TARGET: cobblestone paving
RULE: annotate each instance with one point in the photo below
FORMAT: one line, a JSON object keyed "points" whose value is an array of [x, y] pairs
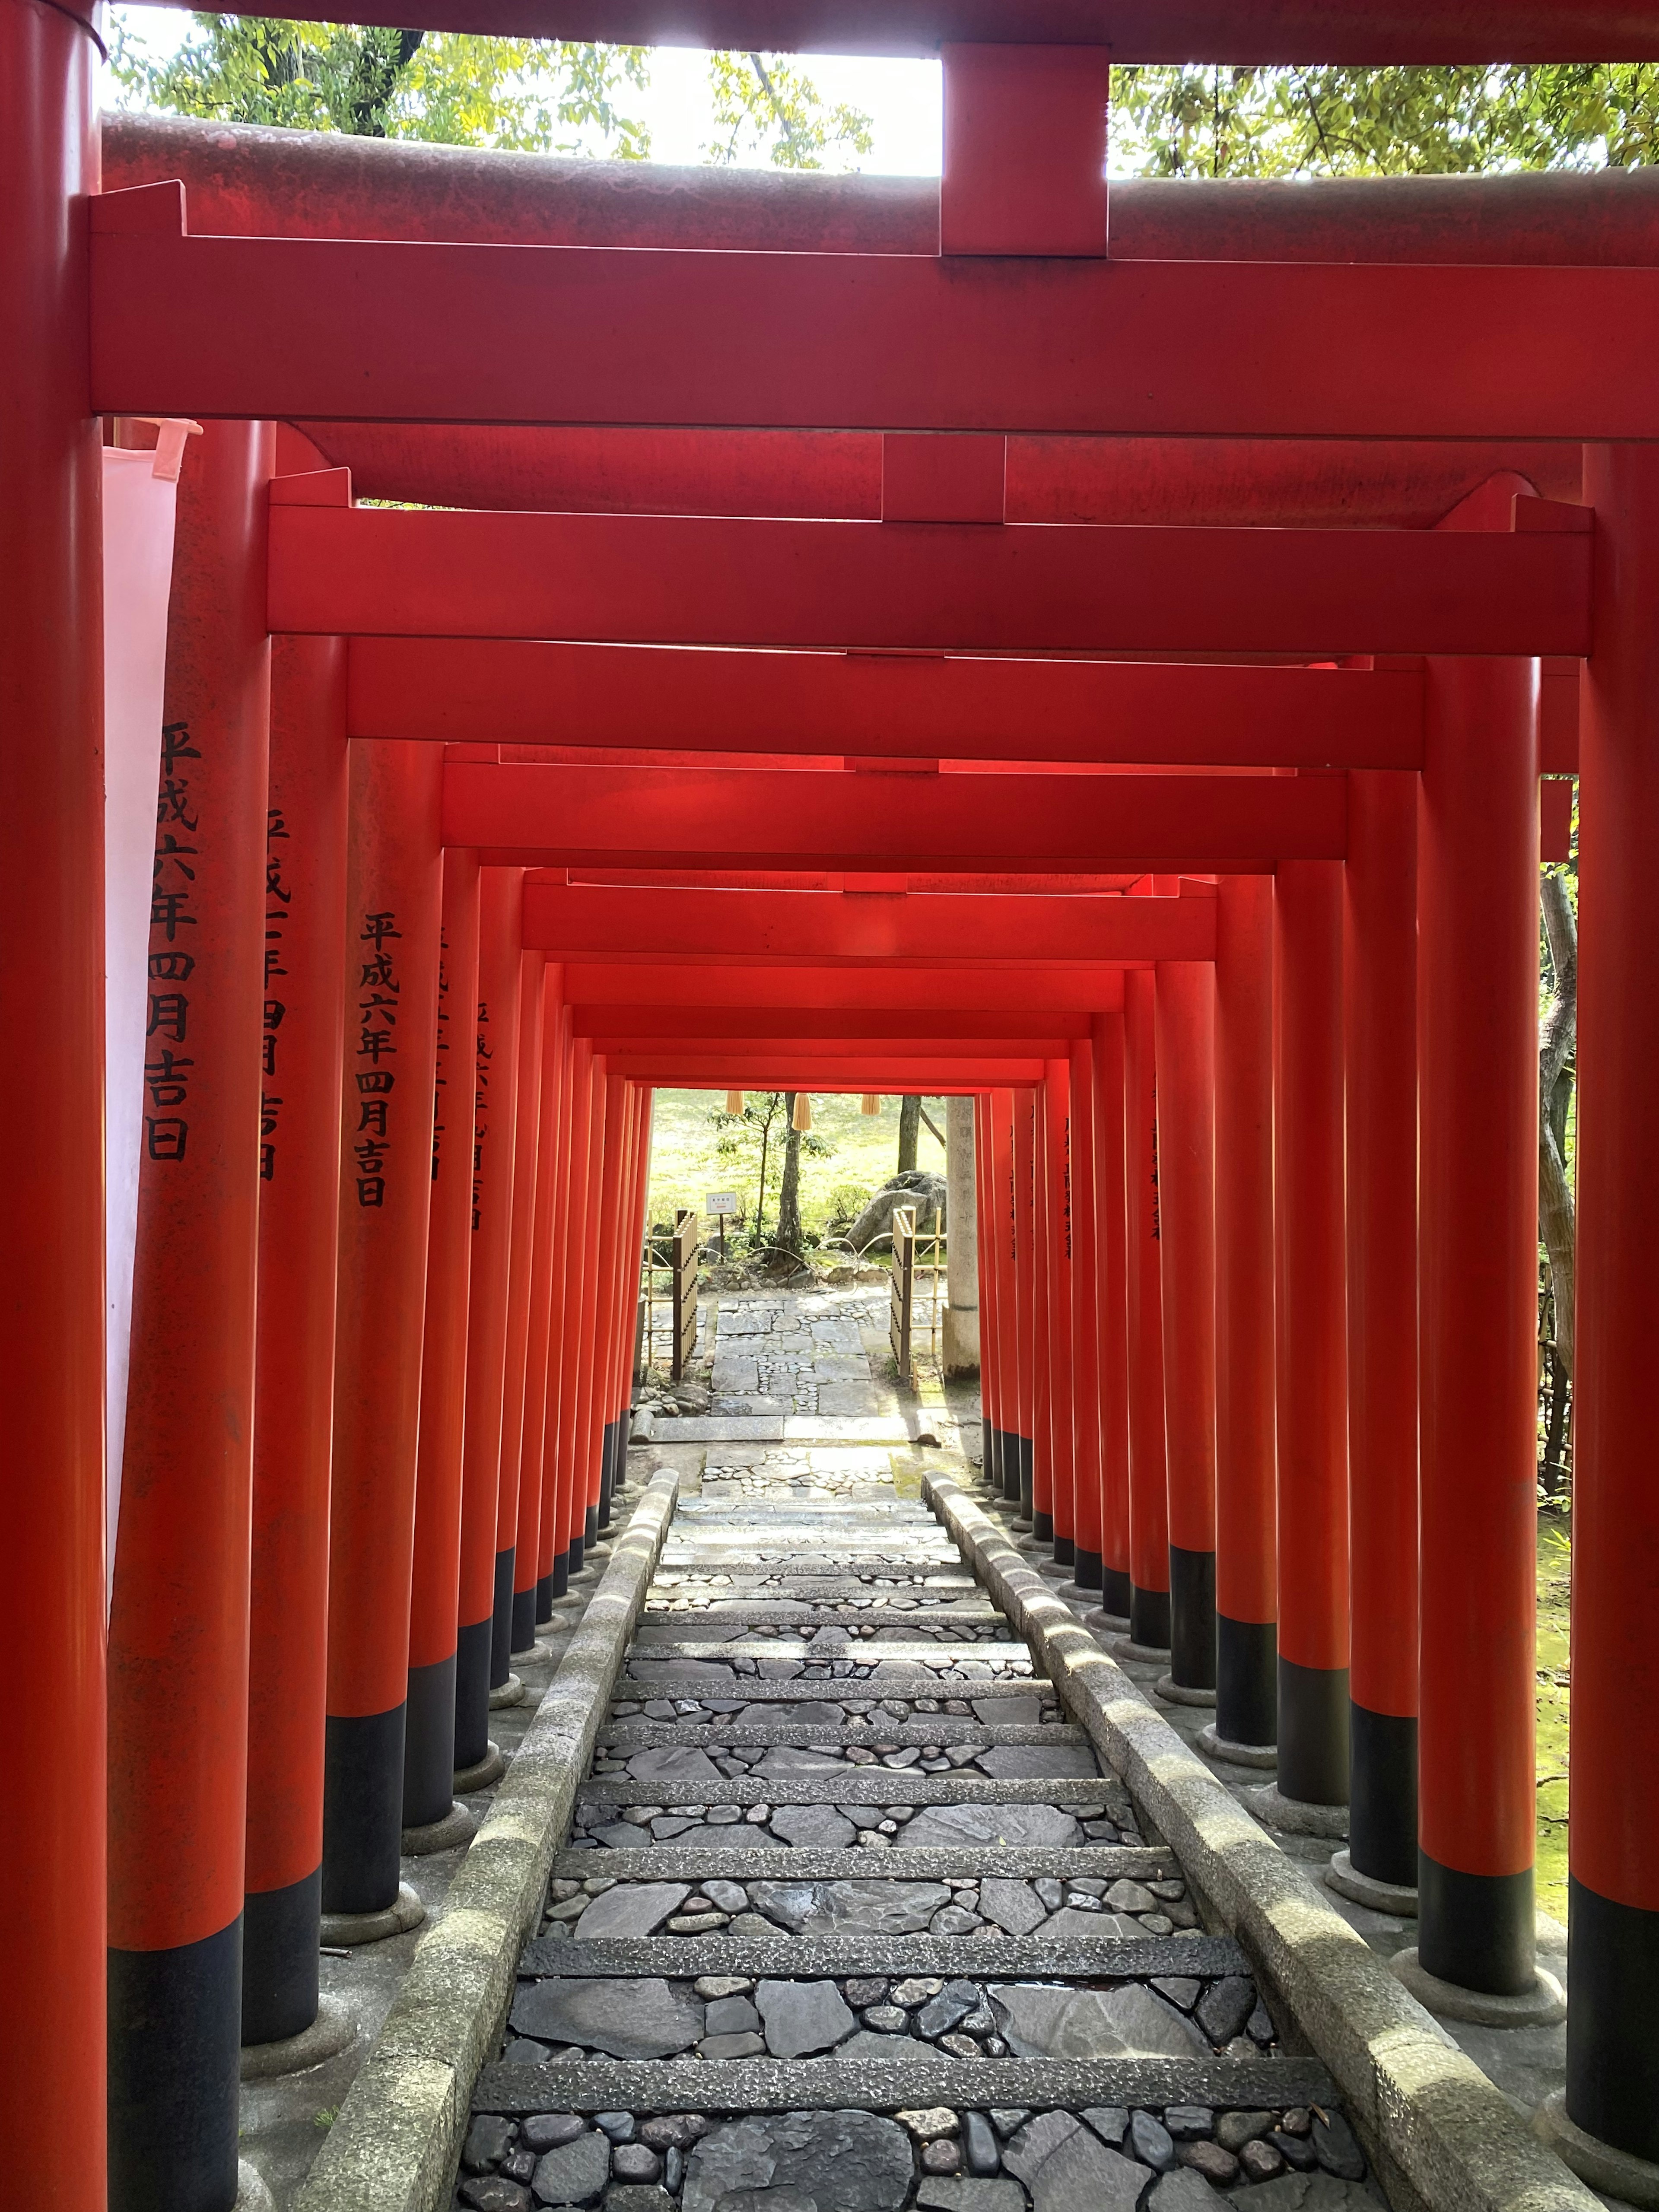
{"points": [[849, 1919]]}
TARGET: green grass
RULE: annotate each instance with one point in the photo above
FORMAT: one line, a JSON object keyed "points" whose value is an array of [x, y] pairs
{"points": [[687, 1163], [1554, 1562]]}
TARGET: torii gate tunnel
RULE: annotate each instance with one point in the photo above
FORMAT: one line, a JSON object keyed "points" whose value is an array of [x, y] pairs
{"points": [[1115, 663]]}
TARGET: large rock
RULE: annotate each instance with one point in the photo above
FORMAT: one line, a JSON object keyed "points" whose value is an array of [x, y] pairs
{"points": [[1082, 2175], [1305, 2192], [960, 2193], [809, 1713], [1040, 2021], [802, 2017], [1014, 1906], [645, 2019], [1009, 1712], [801, 1759], [869, 2047], [836, 1908], [663, 1676], [673, 1762], [813, 1827], [575, 2173], [1071, 1925], [847, 2161], [632, 1909], [915, 1186], [1036, 1762], [976, 1827], [1185, 2191]]}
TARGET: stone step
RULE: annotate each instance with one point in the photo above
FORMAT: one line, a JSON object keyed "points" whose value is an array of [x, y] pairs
{"points": [[766, 1690], [663, 1643], [859, 1785], [888, 2085], [943, 1727], [1009, 1861], [980, 1958]]}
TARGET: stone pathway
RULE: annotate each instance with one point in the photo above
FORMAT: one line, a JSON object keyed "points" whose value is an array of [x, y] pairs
{"points": [[849, 1919]]}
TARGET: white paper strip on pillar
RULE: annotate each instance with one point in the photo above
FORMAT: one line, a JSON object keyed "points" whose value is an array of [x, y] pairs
{"points": [[140, 489]]}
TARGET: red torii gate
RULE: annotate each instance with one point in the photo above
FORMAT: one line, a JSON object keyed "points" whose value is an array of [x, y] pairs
{"points": [[265, 345]]}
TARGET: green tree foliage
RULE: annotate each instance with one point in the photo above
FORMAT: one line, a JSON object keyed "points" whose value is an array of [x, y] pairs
{"points": [[525, 95], [1219, 122], [762, 103]]}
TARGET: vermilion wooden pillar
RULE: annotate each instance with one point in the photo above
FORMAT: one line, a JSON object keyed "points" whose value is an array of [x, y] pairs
{"points": [[304, 983], [1184, 1008], [1380, 964], [1057, 1225], [1311, 1349], [526, 1166], [572, 1494], [178, 1620], [550, 1536], [1025, 1283], [1478, 1041], [52, 1876], [1111, 1248], [429, 1741], [1612, 2033], [629, 1280], [585, 1449], [985, 1217], [393, 898], [608, 1246], [500, 933], [1085, 1325], [526, 1556], [1149, 1519], [1247, 1576]]}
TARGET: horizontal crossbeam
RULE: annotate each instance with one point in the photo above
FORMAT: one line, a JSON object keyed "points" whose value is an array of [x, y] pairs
{"points": [[1234, 31], [585, 921], [848, 1029], [370, 330], [528, 692], [738, 817], [676, 580], [687, 988], [783, 1068]]}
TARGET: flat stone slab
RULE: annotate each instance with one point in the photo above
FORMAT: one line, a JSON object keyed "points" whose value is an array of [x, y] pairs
{"points": [[851, 1734], [786, 1428], [766, 1690], [983, 1958], [770, 2085], [662, 1862], [666, 1648]]}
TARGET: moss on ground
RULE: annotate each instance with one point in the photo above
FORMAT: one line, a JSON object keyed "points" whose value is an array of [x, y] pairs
{"points": [[1554, 1676]]}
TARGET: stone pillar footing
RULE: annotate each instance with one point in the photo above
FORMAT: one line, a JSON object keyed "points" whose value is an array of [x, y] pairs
{"points": [[1144, 1654], [350, 1929], [510, 1692], [457, 1827], [1294, 1815], [252, 2193], [1237, 1755], [490, 1768], [1345, 1878], [1542, 2006], [1617, 2173], [1101, 1623], [1179, 1693], [329, 2035]]}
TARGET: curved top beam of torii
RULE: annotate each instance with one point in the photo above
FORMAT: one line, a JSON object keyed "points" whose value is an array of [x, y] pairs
{"points": [[1238, 31]]}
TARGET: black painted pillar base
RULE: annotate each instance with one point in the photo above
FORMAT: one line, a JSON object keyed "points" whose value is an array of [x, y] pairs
{"points": [[1026, 1461], [544, 1600], [1008, 1458], [1114, 1592], [1149, 1618], [363, 1809], [578, 1551], [1192, 1618], [281, 1931], [500, 1634], [1086, 1571], [1313, 1734], [472, 1643], [591, 1526], [429, 1744], [523, 1633], [607, 1474], [988, 1462], [1612, 2030], [1382, 1796], [559, 1580], [1479, 1930], [1247, 1681], [1042, 1528], [175, 2037]]}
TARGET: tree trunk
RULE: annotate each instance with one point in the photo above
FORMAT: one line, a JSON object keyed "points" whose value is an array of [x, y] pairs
{"points": [[1557, 1213], [909, 1132], [789, 1229]]}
